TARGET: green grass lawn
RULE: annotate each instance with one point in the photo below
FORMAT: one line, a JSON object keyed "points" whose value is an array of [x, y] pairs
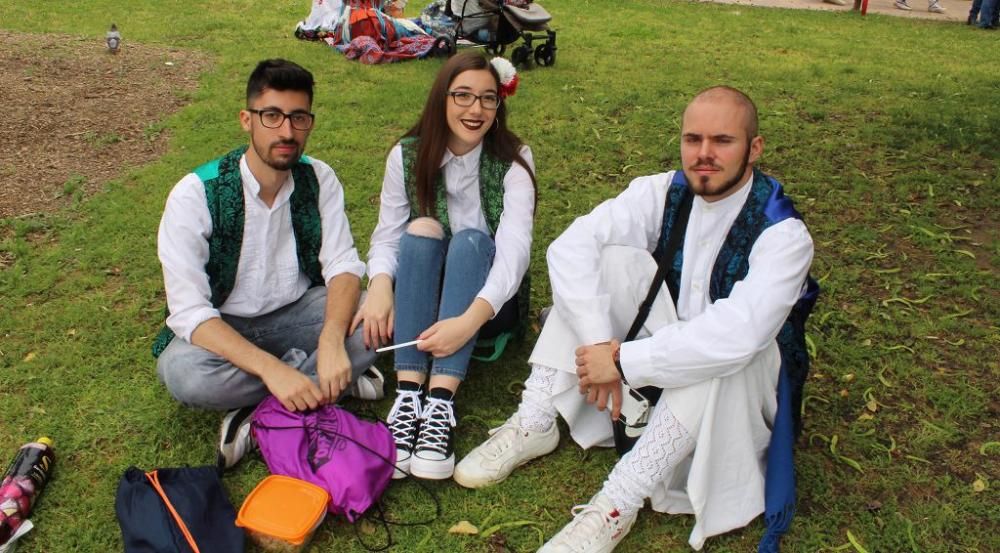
{"points": [[886, 132]]}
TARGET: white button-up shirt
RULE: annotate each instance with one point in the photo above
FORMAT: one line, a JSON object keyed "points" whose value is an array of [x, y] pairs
{"points": [[713, 339], [461, 177], [268, 275]]}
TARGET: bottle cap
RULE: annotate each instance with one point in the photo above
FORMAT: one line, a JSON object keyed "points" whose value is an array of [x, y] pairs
{"points": [[45, 440]]}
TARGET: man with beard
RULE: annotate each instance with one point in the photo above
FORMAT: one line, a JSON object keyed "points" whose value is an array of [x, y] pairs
{"points": [[717, 338], [261, 274]]}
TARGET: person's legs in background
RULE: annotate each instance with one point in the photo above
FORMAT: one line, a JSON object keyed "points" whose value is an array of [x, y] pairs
{"points": [[974, 12], [988, 14]]}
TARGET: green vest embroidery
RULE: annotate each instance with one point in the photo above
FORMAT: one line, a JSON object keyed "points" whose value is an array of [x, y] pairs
{"points": [[491, 174], [224, 197]]}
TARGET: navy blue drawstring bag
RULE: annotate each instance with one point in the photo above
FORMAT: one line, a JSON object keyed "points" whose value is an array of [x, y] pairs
{"points": [[177, 510]]}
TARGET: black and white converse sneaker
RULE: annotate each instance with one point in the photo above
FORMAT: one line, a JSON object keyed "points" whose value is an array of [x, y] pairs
{"points": [[434, 457], [404, 421]]}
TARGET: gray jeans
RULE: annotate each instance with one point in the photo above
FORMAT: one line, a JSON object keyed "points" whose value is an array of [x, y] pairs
{"points": [[197, 377]]}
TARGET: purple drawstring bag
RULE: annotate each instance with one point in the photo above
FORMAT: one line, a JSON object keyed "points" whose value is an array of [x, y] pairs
{"points": [[350, 458]]}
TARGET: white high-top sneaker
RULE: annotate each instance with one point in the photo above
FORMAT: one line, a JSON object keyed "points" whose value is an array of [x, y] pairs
{"points": [[597, 527], [508, 447]]}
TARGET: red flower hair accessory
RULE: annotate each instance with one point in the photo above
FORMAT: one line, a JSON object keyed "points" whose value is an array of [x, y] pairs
{"points": [[508, 76]]}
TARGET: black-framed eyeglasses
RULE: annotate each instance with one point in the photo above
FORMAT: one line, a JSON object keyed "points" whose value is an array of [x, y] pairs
{"points": [[274, 118], [465, 99]]}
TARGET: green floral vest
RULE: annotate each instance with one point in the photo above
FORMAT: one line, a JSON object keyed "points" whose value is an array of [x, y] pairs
{"points": [[224, 196], [491, 174]]}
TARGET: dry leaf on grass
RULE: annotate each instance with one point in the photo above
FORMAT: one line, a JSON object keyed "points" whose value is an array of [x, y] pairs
{"points": [[465, 528]]}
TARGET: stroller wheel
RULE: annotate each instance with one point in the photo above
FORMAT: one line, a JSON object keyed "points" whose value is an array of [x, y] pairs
{"points": [[545, 54], [495, 48], [443, 47], [520, 55]]}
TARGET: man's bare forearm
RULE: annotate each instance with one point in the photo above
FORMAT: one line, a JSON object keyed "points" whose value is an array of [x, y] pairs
{"points": [[342, 294], [218, 337]]}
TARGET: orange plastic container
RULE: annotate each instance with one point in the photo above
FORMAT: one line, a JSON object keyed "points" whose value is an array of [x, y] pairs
{"points": [[282, 513]]}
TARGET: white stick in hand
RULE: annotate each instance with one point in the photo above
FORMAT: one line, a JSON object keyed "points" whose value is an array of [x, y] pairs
{"points": [[397, 346]]}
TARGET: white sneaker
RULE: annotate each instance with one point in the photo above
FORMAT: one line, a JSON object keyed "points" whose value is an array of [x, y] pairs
{"points": [[369, 386], [597, 527], [508, 447], [902, 5], [935, 7], [235, 438], [434, 456], [404, 421]]}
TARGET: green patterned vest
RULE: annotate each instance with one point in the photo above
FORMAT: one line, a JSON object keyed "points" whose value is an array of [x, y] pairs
{"points": [[224, 196], [491, 174]]}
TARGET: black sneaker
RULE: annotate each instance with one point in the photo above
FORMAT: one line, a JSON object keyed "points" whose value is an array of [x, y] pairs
{"points": [[404, 422], [434, 456], [235, 438]]}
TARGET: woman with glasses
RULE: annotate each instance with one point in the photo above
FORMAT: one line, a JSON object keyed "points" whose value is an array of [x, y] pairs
{"points": [[449, 252]]}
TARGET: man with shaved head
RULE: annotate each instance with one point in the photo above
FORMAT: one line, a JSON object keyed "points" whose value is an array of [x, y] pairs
{"points": [[723, 342]]}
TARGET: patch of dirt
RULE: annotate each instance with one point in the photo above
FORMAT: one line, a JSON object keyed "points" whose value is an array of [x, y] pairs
{"points": [[76, 116], [983, 224], [6, 259]]}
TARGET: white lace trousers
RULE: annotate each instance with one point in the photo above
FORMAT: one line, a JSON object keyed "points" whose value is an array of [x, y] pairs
{"points": [[668, 440]]}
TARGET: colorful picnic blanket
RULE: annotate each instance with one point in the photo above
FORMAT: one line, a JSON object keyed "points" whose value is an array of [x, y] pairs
{"points": [[367, 50], [363, 31]]}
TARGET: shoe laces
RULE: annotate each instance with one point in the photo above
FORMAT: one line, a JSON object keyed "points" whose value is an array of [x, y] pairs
{"points": [[502, 438], [439, 417], [589, 521], [403, 417]]}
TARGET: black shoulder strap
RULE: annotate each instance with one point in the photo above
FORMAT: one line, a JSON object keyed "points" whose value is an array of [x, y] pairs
{"points": [[666, 260]]}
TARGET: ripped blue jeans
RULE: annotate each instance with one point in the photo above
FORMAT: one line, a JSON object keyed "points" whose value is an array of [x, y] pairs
{"points": [[437, 279]]}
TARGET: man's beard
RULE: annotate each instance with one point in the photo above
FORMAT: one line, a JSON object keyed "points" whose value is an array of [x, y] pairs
{"points": [[727, 185], [265, 155]]}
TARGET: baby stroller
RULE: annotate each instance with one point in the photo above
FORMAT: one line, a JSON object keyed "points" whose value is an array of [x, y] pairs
{"points": [[496, 24]]}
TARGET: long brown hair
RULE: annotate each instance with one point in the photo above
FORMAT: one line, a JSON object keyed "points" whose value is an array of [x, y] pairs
{"points": [[433, 131]]}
